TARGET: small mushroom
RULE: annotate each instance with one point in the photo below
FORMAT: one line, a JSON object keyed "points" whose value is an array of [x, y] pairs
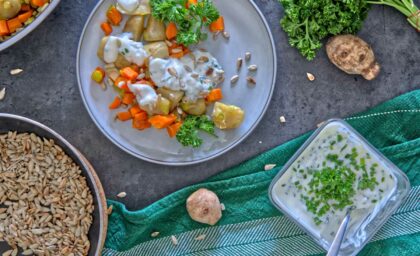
{"points": [[353, 55], [204, 206]]}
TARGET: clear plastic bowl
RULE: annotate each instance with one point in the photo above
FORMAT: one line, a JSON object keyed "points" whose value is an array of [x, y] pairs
{"points": [[368, 217]]}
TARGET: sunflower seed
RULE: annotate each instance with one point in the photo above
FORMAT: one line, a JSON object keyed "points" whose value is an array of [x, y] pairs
{"points": [[174, 240], [310, 77], [200, 237], [2, 93], [251, 80], [234, 79], [168, 43], [253, 68], [247, 56], [226, 34], [215, 35], [122, 195], [172, 72], [282, 119], [268, 167], [187, 68], [16, 71], [155, 234], [203, 59], [239, 62], [109, 210], [7, 253], [176, 50], [222, 206]]}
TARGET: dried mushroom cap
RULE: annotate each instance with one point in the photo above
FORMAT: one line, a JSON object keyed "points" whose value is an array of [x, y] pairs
{"points": [[204, 206], [353, 55]]}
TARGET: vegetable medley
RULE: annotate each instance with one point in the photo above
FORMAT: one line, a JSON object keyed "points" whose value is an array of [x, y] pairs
{"points": [[15, 14], [160, 78]]}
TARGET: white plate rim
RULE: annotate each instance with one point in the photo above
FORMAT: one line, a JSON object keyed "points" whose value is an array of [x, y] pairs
{"points": [[180, 163], [28, 29]]}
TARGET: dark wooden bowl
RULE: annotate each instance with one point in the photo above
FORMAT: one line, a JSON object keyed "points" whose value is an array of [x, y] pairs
{"points": [[97, 232]]}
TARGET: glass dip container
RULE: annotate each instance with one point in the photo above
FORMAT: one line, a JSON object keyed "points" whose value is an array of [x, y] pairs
{"points": [[338, 171]]}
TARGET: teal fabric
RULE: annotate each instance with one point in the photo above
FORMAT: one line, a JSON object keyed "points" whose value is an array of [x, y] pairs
{"points": [[393, 127]]}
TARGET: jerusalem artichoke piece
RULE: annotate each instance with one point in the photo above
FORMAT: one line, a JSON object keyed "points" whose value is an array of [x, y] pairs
{"points": [[204, 206], [353, 55]]}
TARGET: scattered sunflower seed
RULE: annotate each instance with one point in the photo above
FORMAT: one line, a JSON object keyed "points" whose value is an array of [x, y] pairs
{"points": [[172, 72], [176, 50], [215, 35], [310, 77], [203, 59], [320, 124], [27, 252], [168, 43], [239, 62], [222, 206], [247, 56], [7, 253], [174, 240], [253, 68], [2, 93], [16, 71], [109, 210], [282, 119], [122, 195], [226, 34], [200, 237], [268, 167], [251, 80], [155, 234], [234, 79]]}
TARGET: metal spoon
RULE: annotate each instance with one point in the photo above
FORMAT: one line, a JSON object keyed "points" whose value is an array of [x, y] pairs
{"points": [[338, 239]]}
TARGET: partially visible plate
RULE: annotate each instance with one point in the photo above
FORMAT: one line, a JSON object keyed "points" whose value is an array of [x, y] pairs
{"points": [[249, 32], [28, 29]]}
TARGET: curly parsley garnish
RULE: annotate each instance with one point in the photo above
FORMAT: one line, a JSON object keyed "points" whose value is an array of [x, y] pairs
{"points": [[188, 133], [307, 22], [189, 20]]}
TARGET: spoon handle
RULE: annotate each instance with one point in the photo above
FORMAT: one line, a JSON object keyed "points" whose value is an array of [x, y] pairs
{"points": [[338, 239]]}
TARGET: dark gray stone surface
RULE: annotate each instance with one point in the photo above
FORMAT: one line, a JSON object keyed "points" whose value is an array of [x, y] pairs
{"points": [[47, 92]]}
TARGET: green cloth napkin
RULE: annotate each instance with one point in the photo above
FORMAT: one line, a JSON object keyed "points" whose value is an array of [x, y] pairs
{"points": [[251, 225]]}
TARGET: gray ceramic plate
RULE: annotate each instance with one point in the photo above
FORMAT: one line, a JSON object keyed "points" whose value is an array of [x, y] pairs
{"points": [[97, 232], [249, 32], [28, 29]]}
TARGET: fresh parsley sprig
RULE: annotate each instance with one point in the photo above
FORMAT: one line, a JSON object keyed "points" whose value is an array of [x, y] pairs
{"points": [[188, 133], [307, 22], [189, 21]]}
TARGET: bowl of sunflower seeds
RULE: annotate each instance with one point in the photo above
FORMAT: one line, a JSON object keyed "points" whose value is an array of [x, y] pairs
{"points": [[51, 200]]}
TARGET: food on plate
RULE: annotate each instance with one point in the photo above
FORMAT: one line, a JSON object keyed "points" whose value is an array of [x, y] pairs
{"points": [[204, 206], [15, 14], [353, 55], [336, 173], [308, 22], [408, 8], [160, 81], [46, 204], [227, 116]]}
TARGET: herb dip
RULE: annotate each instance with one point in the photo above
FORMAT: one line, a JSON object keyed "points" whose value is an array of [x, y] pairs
{"points": [[334, 174]]}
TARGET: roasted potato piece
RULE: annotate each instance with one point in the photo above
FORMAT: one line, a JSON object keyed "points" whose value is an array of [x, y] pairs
{"points": [[9, 9], [135, 26], [121, 62], [173, 96], [197, 108], [162, 106], [155, 30], [353, 55], [227, 116], [157, 50], [101, 47]]}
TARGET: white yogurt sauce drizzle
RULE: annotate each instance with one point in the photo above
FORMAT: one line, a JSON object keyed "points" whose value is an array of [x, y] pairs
{"points": [[131, 50], [129, 5], [195, 78], [145, 95]]}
